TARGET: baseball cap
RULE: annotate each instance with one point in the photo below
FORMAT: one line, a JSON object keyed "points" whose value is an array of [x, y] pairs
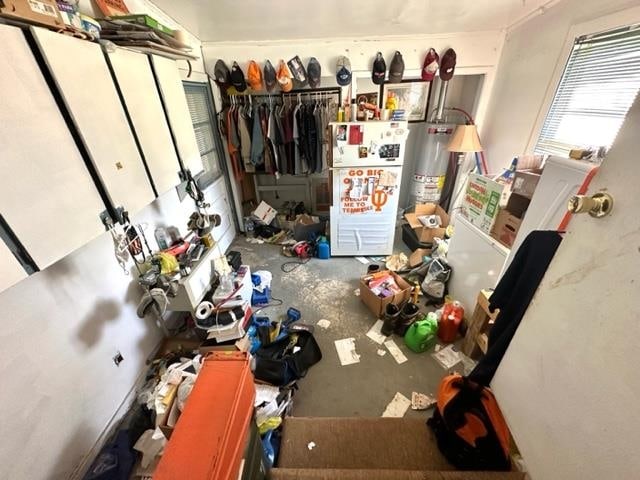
{"points": [[222, 74], [237, 78], [269, 76], [296, 67], [430, 65], [379, 70], [343, 71], [284, 77], [254, 76], [396, 69], [314, 72], [448, 64]]}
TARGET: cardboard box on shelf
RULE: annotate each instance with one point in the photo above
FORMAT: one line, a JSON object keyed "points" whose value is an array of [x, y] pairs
{"points": [[40, 12], [427, 234], [517, 205], [481, 200], [377, 304], [525, 182], [506, 228]]}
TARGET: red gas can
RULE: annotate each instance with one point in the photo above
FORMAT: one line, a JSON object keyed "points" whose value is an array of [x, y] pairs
{"points": [[450, 322]]}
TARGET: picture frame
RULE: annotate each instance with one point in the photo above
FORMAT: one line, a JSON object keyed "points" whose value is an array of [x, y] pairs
{"points": [[413, 97]]}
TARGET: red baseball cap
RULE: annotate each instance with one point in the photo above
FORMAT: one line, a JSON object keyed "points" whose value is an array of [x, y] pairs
{"points": [[430, 65]]}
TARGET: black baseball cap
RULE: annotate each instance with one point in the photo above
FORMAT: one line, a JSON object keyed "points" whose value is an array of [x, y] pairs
{"points": [[237, 78], [269, 76], [314, 72], [396, 69], [447, 64], [379, 70], [222, 74]]}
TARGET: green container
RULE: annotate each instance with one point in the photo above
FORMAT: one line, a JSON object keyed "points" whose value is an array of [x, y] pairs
{"points": [[421, 336]]}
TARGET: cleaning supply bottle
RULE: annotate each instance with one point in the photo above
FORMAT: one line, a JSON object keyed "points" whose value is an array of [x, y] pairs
{"points": [[323, 248], [450, 322], [415, 293], [421, 336]]}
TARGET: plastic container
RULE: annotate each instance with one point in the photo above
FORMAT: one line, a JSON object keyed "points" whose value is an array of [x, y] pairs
{"points": [[421, 336], [323, 249], [450, 322]]}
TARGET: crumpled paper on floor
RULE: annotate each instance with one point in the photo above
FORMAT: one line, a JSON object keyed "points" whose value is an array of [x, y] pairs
{"points": [[396, 262]]}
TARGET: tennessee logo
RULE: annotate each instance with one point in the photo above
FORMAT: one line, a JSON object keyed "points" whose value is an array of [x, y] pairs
{"points": [[378, 199]]}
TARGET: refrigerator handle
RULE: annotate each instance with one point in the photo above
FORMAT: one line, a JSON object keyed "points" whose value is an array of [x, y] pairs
{"points": [[358, 239]]}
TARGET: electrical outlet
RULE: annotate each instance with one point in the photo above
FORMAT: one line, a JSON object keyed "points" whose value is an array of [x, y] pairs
{"points": [[118, 358]]}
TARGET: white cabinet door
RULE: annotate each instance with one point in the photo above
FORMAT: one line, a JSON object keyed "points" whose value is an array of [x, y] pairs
{"points": [[12, 271], [135, 79], [47, 195], [175, 102], [82, 75]]}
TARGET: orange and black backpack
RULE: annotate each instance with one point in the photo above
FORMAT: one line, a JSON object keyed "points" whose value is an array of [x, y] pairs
{"points": [[469, 427]]}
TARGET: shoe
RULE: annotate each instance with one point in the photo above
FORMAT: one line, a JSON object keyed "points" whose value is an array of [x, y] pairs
{"points": [[407, 317], [391, 316]]}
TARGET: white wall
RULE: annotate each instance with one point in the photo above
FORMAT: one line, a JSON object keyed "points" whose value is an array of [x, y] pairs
{"points": [[532, 61], [60, 329], [477, 55]]}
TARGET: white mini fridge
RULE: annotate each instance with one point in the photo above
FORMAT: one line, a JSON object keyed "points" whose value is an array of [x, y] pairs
{"points": [[366, 175]]}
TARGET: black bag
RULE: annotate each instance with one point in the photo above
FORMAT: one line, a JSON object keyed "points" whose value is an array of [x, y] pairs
{"points": [[277, 363], [469, 427]]}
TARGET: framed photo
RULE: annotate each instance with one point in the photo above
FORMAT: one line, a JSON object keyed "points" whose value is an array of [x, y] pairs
{"points": [[366, 105], [412, 96]]}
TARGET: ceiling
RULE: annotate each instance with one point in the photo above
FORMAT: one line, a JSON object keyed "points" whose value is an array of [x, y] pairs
{"points": [[262, 20]]}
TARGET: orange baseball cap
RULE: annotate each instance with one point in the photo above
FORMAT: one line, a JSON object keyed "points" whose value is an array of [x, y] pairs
{"points": [[254, 76], [284, 77]]}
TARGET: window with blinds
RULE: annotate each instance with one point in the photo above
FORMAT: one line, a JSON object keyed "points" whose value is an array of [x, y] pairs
{"points": [[598, 86], [202, 116]]}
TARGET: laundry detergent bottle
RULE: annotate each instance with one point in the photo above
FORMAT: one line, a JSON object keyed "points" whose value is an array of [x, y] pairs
{"points": [[421, 336]]}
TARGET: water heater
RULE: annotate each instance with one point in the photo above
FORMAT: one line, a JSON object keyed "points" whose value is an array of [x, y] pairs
{"points": [[432, 160]]}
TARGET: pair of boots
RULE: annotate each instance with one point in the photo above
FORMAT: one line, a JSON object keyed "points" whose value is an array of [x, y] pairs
{"points": [[399, 320]]}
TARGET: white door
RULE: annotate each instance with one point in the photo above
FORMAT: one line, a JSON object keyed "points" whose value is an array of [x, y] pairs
{"points": [[82, 75], [47, 196], [175, 102], [569, 384], [135, 79]]}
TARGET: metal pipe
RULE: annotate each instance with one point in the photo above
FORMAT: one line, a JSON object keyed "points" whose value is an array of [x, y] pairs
{"points": [[442, 96]]}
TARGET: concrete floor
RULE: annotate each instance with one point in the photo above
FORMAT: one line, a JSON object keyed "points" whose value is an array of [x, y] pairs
{"points": [[325, 289]]}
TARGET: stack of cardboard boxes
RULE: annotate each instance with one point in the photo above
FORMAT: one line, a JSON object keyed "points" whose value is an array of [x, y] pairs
{"points": [[418, 236]]}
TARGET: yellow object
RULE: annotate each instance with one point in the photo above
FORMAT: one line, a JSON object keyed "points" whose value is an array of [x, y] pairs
{"points": [[270, 423], [170, 395], [416, 293], [168, 263], [392, 102], [465, 139], [208, 241]]}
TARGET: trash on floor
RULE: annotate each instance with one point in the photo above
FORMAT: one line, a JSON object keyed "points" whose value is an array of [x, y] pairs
{"points": [[265, 394], [448, 357], [421, 401], [375, 333], [256, 241], [381, 352], [396, 262], [362, 260], [356, 292], [395, 351], [323, 323], [347, 351], [311, 445], [397, 407]]}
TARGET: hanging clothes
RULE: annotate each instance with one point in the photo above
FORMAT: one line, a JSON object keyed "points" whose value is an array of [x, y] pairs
{"points": [[233, 143], [512, 296], [257, 139], [245, 140], [319, 130]]}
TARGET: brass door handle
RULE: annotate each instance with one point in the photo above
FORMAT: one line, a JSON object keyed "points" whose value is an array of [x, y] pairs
{"points": [[597, 205]]}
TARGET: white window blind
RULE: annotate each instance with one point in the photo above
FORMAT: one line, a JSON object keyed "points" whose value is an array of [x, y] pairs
{"points": [[598, 86], [198, 100]]}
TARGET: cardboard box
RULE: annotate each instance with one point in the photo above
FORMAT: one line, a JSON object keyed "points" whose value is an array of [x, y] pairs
{"points": [[517, 205], [481, 200], [426, 234], [376, 304], [416, 258], [525, 182], [147, 21], [265, 213], [40, 12], [306, 225], [506, 228], [169, 419]]}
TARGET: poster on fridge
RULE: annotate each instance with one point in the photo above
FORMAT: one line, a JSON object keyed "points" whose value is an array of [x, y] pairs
{"points": [[367, 190]]}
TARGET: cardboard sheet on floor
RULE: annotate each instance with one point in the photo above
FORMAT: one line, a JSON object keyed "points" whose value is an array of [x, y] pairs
{"points": [[346, 349], [362, 260], [421, 401], [375, 333], [395, 351], [397, 407], [447, 357]]}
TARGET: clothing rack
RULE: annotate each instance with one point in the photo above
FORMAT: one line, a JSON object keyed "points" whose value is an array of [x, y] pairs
{"points": [[320, 94]]}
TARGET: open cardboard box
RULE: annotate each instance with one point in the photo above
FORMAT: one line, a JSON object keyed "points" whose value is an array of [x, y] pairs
{"points": [[506, 227], [376, 304], [426, 234]]}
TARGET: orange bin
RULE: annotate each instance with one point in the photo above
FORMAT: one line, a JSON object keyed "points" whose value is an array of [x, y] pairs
{"points": [[211, 434]]}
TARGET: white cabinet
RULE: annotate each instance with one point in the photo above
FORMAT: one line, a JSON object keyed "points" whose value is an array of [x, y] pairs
{"points": [[85, 83], [175, 103], [47, 195], [138, 87]]}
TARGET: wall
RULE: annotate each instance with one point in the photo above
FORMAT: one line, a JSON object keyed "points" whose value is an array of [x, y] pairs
{"points": [[59, 330], [532, 61], [477, 56]]}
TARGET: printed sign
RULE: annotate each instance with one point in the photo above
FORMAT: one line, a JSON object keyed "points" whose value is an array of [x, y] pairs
{"points": [[481, 199], [367, 190]]}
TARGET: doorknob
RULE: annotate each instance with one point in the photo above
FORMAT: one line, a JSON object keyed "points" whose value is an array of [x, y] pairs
{"points": [[597, 205]]}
